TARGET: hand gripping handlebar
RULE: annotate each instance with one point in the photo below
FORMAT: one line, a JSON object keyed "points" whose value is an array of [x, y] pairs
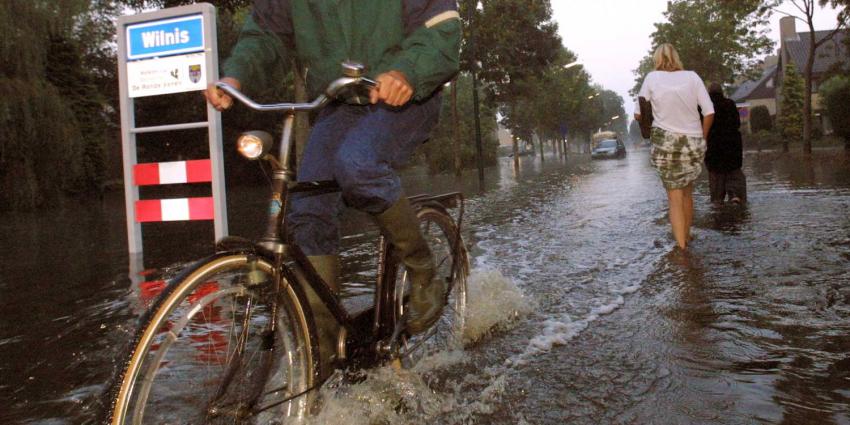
{"points": [[352, 76]]}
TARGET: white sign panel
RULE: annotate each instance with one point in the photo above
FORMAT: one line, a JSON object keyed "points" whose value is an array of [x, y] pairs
{"points": [[171, 74]]}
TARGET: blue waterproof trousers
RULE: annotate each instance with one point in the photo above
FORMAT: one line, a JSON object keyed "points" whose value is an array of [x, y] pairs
{"points": [[359, 147]]}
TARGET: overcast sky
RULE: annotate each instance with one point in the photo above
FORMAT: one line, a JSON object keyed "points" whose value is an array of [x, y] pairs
{"points": [[611, 36]]}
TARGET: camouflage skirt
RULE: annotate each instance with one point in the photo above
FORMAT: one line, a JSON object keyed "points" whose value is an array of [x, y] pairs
{"points": [[677, 158]]}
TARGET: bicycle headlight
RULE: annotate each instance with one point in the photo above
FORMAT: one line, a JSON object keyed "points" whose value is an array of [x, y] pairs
{"points": [[254, 144]]}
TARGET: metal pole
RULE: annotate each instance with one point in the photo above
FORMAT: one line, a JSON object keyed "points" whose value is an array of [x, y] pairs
{"points": [[128, 146], [215, 132], [479, 149]]}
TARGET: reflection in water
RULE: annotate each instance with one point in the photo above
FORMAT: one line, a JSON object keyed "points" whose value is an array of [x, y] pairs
{"points": [[607, 323], [729, 218]]}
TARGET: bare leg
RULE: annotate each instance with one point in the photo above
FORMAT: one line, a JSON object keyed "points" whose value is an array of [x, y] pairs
{"points": [[677, 216], [688, 195]]}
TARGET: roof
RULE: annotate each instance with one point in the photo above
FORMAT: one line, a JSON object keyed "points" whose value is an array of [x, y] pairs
{"points": [[828, 54], [757, 89]]}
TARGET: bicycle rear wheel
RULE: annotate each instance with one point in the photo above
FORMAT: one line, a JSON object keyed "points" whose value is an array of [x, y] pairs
{"points": [[226, 343], [452, 267]]}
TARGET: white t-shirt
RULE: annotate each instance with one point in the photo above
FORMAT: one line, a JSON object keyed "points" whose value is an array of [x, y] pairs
{"points": [[674, 97]]}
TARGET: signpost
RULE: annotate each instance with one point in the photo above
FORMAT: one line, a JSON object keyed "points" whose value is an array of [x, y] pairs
{"points": [[164, 52]]}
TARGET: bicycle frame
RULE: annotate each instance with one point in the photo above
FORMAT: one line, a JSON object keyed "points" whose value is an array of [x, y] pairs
{"points": [[359, 335], [371, 337]]}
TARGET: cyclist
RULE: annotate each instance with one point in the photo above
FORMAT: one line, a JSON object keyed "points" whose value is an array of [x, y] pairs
{"points": [[411, 48]]}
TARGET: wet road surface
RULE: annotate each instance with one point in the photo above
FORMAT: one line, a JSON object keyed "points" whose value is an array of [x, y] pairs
{"points": [[592, 317]]}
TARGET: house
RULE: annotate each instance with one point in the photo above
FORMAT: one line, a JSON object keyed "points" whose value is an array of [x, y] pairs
{"points": [[794, 49], [760, 92]]}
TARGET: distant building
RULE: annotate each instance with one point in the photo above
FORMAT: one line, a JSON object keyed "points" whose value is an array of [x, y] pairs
{"points": [[760, 92], [793, 49]]}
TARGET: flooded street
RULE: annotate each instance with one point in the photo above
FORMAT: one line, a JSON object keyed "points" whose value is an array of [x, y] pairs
{"points": [[583, 312]]}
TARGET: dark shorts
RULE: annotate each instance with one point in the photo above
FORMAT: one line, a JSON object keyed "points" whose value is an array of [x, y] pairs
{"points": [[732, 185]]}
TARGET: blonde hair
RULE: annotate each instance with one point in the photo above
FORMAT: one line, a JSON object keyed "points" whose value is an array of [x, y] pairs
{"points": [[667, 58]]}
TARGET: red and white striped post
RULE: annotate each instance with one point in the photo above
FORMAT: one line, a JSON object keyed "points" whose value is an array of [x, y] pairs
{"points": [[179, 209]]}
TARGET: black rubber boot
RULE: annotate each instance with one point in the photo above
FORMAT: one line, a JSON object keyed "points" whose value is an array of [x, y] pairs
{"points": [[427, 296], [327, 266]]}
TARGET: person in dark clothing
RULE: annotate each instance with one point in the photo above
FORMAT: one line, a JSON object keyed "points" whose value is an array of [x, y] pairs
{"points": [[724, 155]]}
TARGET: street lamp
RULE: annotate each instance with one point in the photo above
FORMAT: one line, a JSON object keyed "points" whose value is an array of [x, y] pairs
{"points": [[592, 96], [572, 64]]}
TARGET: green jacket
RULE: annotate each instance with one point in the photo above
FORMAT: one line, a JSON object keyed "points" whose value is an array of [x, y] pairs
{"points": [[420, 38]]}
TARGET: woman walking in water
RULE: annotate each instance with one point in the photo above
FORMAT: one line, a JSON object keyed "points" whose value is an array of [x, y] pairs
{"points": [[678, 136]]}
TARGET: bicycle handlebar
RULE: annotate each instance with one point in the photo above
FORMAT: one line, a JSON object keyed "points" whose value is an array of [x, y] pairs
{"points": [[331, 92]]}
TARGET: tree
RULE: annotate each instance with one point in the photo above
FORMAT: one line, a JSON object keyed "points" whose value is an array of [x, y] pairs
{"points": [[790, 120], [514, 40], [719, 39], [52, 108], [760, 119], [436, 152], [835, 93], [226, 5], [806, 15]]}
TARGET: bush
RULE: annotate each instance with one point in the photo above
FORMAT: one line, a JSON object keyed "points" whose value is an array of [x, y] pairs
{"points": [[760, 119], [836, 97], [762, 139]]}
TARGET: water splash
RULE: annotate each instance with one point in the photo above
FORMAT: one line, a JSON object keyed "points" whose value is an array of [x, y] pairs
{"points": [[495, 302], [438, 387]]}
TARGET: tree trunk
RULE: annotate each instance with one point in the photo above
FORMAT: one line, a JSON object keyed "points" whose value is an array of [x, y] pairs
{"points": [[515, 144], [807, 97], [542, 151], [458, 162], [807, 106], [302, 119]]}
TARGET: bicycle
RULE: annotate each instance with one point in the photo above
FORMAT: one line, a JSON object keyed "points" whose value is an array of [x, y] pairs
{"points": [[232, 338]]}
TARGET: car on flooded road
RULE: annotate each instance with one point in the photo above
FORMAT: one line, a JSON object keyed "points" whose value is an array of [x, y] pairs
{"points": [[609, 148]]}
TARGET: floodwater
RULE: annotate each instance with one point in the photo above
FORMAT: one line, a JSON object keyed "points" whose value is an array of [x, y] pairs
{"points": [[581, 310]]}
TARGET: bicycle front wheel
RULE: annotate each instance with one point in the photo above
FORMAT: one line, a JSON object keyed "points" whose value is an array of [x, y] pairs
{"points": [[229, 342], [452, 267]]}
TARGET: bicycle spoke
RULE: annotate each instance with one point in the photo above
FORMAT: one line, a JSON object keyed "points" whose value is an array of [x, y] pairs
{"points": [[211, 359]]}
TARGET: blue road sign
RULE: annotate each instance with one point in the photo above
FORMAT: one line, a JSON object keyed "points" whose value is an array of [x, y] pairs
{"points": [[165, 37]]}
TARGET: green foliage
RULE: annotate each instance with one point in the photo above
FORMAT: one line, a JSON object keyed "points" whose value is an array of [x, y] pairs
{"points": [[760, 119], [514, 40], [719, 39], [438, 153], [560, 99], [835, 93], [40, 151], [790, 121], [51, 113], [221, 5]]}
